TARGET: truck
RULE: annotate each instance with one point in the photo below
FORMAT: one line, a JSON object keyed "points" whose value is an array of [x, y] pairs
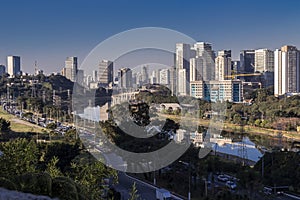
{"points": [[163, 194]]}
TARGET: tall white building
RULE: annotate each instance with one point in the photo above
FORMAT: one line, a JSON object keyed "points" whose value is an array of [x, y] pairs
{"points": [[223, 65], [182, 82], [264, 60], [182, 64], [70, 69], [164, 75], [13, 65], [286, 70]]}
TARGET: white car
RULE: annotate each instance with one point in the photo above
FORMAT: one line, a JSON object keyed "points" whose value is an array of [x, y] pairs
{"points": [[230, 185]]}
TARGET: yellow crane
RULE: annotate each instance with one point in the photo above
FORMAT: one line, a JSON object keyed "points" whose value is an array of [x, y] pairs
{"points": [[233, 76]]}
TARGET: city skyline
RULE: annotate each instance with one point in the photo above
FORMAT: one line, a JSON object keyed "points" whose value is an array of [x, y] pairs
{"points": [[35, 33]]}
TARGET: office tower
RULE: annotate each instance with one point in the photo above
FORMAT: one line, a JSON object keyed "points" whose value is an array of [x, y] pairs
{"points": [[181, 82], [164, 76], [13, 65], [196, 69], [226, 90], [125, 78], [2, 70], [70, 69], [202, 63], [286, 70], [173, 79], [80, 76], [264, 60], [95, 75], [223, 65], [153, 77], [145, 75], [105, 73], [138, 79], [235, 67], [247, 58], [182, 65]]}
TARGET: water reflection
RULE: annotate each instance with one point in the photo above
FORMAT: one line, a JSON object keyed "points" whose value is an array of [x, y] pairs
{"points": [[244, 149]]}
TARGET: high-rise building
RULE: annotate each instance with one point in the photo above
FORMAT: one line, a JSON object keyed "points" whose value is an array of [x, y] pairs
{"points": [[223, 65], [247, 58], [80, 76], [105, 73], [202, 66], [196, 69], [95, 76], [182, 64], [235, 67], [2, 70], [70, 69], [264, 60], [125, 78], [182, 82], [13, 65], [205, 52], [173, 78], [145, 75], [286, 70], [226, 90], [164, 76]]}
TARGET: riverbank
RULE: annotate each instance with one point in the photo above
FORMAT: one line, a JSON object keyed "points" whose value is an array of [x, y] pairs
{"points": [[251, 130]]}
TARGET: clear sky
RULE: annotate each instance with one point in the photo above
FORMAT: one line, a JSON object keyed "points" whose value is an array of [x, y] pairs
{"points": [[49, 31]]}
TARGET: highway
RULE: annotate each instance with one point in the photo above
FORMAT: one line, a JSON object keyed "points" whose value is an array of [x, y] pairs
{"points": [[145, 190]]}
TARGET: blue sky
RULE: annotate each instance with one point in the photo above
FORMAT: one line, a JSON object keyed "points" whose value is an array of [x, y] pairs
{"points": [[49, 31]]}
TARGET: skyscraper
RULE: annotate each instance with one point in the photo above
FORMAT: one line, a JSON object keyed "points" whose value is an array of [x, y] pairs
{"points": [[247, 58], [202, 63], [164, 76], [286, 70], [13, 65], [70, 69], [105, 73], [235, 66], [95, 75], [145, 75], [125, 78], [264, 60], [182, 65], [196, 68], [223, 65], [2, 70]]}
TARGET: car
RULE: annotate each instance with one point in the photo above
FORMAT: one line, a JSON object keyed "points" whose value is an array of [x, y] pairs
{"points": [[230, 185], [222, 178]]}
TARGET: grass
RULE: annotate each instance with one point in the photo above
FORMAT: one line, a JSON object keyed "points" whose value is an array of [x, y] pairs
{"points": [[17, 126]]}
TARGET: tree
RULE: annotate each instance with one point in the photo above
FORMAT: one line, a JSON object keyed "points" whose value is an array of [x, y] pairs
{"points": [[52, 169], [134, 193], [4, 125], [19, 156]]}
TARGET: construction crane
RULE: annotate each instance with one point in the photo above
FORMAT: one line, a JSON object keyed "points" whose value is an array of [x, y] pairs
{"points": [[233, 76]]}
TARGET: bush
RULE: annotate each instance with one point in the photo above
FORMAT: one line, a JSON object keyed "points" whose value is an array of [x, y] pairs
{"points": [[5, 183], [64, 188]]}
